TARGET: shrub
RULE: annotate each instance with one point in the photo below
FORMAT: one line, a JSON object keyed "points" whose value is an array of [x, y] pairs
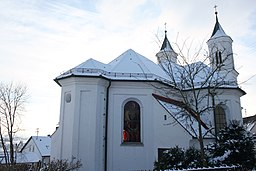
{"points": [[171, 159], [178, 158], [234, 146], [55, 165], [192, 158], [16, 167], [62, 165]]}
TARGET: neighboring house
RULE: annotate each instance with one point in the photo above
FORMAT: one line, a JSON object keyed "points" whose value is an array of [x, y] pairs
{"points": [[115, 117], [250, 123], [36, 150]]}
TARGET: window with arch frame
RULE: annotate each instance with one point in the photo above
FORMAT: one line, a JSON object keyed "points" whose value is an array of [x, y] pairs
{"points": [[132, 119], [220, 118]]}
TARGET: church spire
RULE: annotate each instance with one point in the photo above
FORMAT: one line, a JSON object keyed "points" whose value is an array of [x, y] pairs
{"points": [[218, 30], [166, 44], [166, 53], [220, 51]]}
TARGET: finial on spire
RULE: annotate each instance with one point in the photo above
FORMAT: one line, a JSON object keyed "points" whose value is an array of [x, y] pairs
{"points": [[37, 131], [215, 7], [165, 31], [216, 12]]}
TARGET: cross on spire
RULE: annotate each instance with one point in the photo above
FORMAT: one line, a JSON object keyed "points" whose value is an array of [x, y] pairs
{"points": [[165, 31], [215, 7], [216, 12], [37, 131]]}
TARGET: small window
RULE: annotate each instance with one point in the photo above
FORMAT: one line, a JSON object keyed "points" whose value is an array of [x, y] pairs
{"points": [[218, 57], [131, 129]]}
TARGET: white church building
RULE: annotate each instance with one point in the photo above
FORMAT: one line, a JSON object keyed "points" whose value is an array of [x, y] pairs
{"points": [[119, 116]]}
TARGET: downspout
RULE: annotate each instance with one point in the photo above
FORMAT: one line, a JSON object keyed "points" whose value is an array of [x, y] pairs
{"points": [[106, 129]]}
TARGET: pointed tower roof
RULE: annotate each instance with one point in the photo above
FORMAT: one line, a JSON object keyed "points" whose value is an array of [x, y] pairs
{"points": [[166, 46], [218, 30]]}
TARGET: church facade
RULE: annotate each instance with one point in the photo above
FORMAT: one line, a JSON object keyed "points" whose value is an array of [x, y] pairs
{"points": [[120, 115]]}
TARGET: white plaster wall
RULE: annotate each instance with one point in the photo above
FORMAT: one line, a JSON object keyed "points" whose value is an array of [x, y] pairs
{"points": [[231, 99], [56, 138], [81, 121], [155, 131], [62, 139], [82, 124], [168, 133], [224, 45], [123, 156], [56, 144]]}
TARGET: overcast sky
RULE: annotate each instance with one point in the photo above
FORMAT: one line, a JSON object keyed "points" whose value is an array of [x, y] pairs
{"points": [[39, 39]]}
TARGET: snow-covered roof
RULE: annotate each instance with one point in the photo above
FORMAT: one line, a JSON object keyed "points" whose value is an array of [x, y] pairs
{"points": [[132, 66], [128, 66], [43, 144], [190, 124], [93, 64], [203, 74], [250, 122]]}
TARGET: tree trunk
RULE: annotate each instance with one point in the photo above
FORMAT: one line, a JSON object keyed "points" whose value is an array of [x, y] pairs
{"points": [[201, 144], [4, 149], [11, 150]]}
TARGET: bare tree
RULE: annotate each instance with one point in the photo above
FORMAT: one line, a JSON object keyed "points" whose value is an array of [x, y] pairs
{"points": [[12, 100], [195, 82]]}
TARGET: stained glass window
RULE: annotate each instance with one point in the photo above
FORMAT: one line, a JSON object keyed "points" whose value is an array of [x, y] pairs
{"points": [[131, 129]]}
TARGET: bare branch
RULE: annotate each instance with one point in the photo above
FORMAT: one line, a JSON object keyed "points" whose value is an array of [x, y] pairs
{"points": [[12, 100]]}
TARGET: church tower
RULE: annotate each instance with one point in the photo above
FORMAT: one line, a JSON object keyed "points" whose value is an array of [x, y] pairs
{"points": [[166, 53], [221, 53]]}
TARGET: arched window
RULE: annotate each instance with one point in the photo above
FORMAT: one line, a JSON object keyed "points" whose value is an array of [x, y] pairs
{"points": [[131, 129], [220, 118]]}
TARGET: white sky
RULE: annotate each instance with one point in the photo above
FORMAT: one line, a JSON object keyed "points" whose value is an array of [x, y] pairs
{"points": [[39, 39]]}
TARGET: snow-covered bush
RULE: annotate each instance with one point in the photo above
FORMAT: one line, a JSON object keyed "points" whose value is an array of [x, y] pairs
{"points": [[16, 167], [178, 158], [171, 159], [234, 146], [62, 165], [193, 158]]}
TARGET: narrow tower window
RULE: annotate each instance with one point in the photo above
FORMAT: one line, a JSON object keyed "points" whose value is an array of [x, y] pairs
{"points": [[131, 130], [218, 57]]}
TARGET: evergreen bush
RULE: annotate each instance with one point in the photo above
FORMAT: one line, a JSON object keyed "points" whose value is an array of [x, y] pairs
{"points": [[234, 146]]}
